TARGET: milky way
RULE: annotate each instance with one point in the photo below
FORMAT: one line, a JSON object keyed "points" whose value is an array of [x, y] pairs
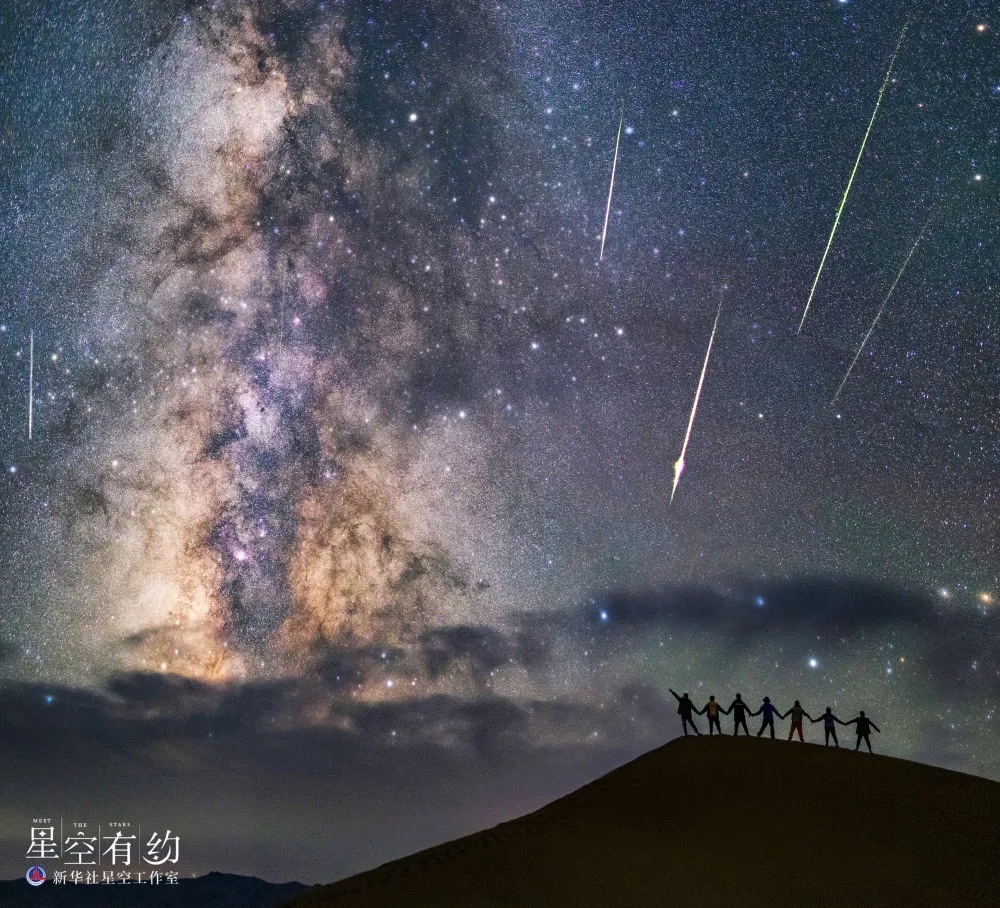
{"points": [[332, 397], [273, 484]]}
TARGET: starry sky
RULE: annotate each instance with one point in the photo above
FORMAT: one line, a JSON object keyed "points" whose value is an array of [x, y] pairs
{"points": [[345, 523]]}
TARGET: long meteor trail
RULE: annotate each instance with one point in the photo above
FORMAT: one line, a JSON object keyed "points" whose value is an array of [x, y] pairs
{"points": [[854, 170], [679, 465], [881, 309], [31, 381], [611, 188]]}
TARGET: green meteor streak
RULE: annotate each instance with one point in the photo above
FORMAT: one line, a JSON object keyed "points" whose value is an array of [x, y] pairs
{"points": [[881, 309], [861, 151], [611, 188]]}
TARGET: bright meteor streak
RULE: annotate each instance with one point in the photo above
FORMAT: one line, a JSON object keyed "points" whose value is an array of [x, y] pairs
{"points": [[881, 309], [31, 381], [611, 188], [850, 182], [679, 465]]}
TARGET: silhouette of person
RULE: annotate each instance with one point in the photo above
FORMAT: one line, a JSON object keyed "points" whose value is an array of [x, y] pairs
{"points": [[739, 709], [685, 709], [829, 729], [864, 725], [769, 710], [713, 709], [796, 712]]}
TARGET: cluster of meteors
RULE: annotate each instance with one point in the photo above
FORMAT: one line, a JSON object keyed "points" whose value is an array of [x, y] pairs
{"points": [[680, 463]]}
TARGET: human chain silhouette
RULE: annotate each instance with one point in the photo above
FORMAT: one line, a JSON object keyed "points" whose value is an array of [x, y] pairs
{"points": [[739, 710]]}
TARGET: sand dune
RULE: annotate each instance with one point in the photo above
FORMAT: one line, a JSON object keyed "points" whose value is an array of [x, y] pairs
{"points": [[719, 822]]}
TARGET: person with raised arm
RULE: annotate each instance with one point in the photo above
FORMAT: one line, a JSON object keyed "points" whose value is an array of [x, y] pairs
{"points": [[863, 726], [829, 728], [770, 711], [685, 709]]}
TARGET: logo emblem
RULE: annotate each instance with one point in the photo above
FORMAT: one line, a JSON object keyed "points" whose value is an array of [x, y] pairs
{"points": [[35, 875]]}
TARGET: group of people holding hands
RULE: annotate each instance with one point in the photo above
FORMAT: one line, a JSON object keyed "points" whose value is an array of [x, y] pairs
{"points": [[740, 710]]}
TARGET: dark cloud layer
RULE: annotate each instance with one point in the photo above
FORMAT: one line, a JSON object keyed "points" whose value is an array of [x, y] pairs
{"points": [[818, 603]]}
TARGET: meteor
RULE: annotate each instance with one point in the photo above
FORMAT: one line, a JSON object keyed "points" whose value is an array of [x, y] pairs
{"points": [[881, 309], [679, 465], [850, 182], [31, 381], [611, 188]]}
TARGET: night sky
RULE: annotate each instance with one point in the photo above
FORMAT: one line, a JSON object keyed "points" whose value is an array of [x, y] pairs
{"points": [[345, 523]]}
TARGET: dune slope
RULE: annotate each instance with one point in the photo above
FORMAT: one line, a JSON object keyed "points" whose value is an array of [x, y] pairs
{"points": [[710, 821]]}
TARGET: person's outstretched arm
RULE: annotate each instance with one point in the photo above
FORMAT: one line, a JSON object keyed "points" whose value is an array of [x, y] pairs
{"points": [[835, 719], [779, 713], [879, 730], [673, 692], [753, 712], [849, 722], [810, 718], [724, 711], [701, 712]]}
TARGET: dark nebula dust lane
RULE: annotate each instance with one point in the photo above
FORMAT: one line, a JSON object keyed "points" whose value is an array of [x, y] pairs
{"points": [[346, 435]]}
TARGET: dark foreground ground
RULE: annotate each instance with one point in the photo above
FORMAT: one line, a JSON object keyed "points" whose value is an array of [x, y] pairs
{"points": [[720, 822]]}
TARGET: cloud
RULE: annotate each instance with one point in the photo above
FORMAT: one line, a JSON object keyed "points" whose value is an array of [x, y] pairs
{"points": [[222, 764], [484, 649], [747, 606]]}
